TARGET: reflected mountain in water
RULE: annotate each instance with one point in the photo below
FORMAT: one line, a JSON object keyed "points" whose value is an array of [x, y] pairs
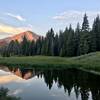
{"points": [[84, 84], [25, 73]]}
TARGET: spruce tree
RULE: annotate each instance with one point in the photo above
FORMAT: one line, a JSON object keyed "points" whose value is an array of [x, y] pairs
{"points": [[71, 43], [32, 48], [93, 42], [96, 31], [61, 44], [50, 43], [84, 46], [43, 47], [38, 46], [77, 39], [25, 46], [85, 24], [56, 45]]}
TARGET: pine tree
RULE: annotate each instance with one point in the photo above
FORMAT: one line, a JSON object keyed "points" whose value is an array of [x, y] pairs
{"points": [[17, 48], [43, 47], [32, 48], [56, 45], [38, 46], [77, 39], [96, 31], [50, 43], [85, 38], [93, 42], [4, 52], [25, 46], [11, 49], [61, 44], [63, 38], [85, 24], [71, 43], [62, 52]]}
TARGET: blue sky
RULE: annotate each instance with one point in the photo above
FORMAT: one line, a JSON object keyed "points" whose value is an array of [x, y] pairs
{"points": [[40, 15]]}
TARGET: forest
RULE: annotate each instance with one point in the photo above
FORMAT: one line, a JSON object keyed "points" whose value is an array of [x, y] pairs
{"points": [[68, 43]]}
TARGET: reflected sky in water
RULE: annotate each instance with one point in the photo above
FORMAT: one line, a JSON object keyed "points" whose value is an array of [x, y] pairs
{"points": [[51, 84]]}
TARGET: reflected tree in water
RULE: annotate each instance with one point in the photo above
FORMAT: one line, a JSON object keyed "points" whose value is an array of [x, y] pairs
{"points": [[83, 83], [4, 95]]}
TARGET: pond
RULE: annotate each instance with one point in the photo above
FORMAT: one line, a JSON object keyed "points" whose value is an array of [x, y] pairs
{"points": [[50, 84]]}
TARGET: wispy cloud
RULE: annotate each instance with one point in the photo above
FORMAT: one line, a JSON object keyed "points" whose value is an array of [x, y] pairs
{"points": [[30, 25], [7, 30], [18, 17], [72, 17], [16, 92], [10, 29]]}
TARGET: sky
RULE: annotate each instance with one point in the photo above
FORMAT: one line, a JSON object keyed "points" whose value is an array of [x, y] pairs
{"points": [[40, 15]]}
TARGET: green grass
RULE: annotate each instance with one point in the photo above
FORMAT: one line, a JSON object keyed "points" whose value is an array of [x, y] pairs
{"points": [[89, 61]]}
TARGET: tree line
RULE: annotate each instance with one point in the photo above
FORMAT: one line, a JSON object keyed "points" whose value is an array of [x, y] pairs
{"points": [[67, 43]]}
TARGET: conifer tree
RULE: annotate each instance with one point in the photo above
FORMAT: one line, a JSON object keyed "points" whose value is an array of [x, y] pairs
{"points": [[96, 32], [50, 43], [85, 24], [84, 46], [77, 39], [56, 45], [25, 46], [71, 42]]}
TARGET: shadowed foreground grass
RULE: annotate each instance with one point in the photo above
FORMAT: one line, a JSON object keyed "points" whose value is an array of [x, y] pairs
{"points": [[89, 61]]}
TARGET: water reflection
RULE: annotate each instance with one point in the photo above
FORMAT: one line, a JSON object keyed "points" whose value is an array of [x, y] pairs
{"points": [[25, 73], [84, 84]]}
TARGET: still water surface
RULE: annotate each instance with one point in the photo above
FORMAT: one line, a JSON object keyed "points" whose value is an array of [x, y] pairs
{"points": [[50, 84]]}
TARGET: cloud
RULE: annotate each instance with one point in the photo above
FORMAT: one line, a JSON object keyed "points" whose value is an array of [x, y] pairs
{"points": [[7, 30], [18, 17], [16, 92], [73, 17], [10, 29], [30, 25], [9, 78]]}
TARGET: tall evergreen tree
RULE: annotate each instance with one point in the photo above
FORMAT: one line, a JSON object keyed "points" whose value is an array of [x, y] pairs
{"points": [[77, 39], [32, 49], [25, 46], [10, 48], [85, 24], [43, 48], [50, 43], [93, 42], [96, 32], [71, 43], [84, 46], [61, 43], [56, 45], [17, 48], [38, 46]]}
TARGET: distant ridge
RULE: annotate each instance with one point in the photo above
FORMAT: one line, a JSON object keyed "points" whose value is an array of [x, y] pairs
{"points": [[19, 37]]}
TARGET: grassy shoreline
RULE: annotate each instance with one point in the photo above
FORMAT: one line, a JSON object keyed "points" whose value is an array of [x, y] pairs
{"points": [[89, 61]]}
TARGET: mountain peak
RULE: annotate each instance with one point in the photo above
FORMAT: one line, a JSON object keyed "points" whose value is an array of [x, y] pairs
{"points": [[19, 37], [29, 35]]}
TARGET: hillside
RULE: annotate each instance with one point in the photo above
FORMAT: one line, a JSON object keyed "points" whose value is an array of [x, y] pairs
{"points": [[89, 61], [19, 37]]}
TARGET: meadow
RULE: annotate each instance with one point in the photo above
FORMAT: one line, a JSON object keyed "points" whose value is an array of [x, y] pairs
{"points": [[88, 61]]}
